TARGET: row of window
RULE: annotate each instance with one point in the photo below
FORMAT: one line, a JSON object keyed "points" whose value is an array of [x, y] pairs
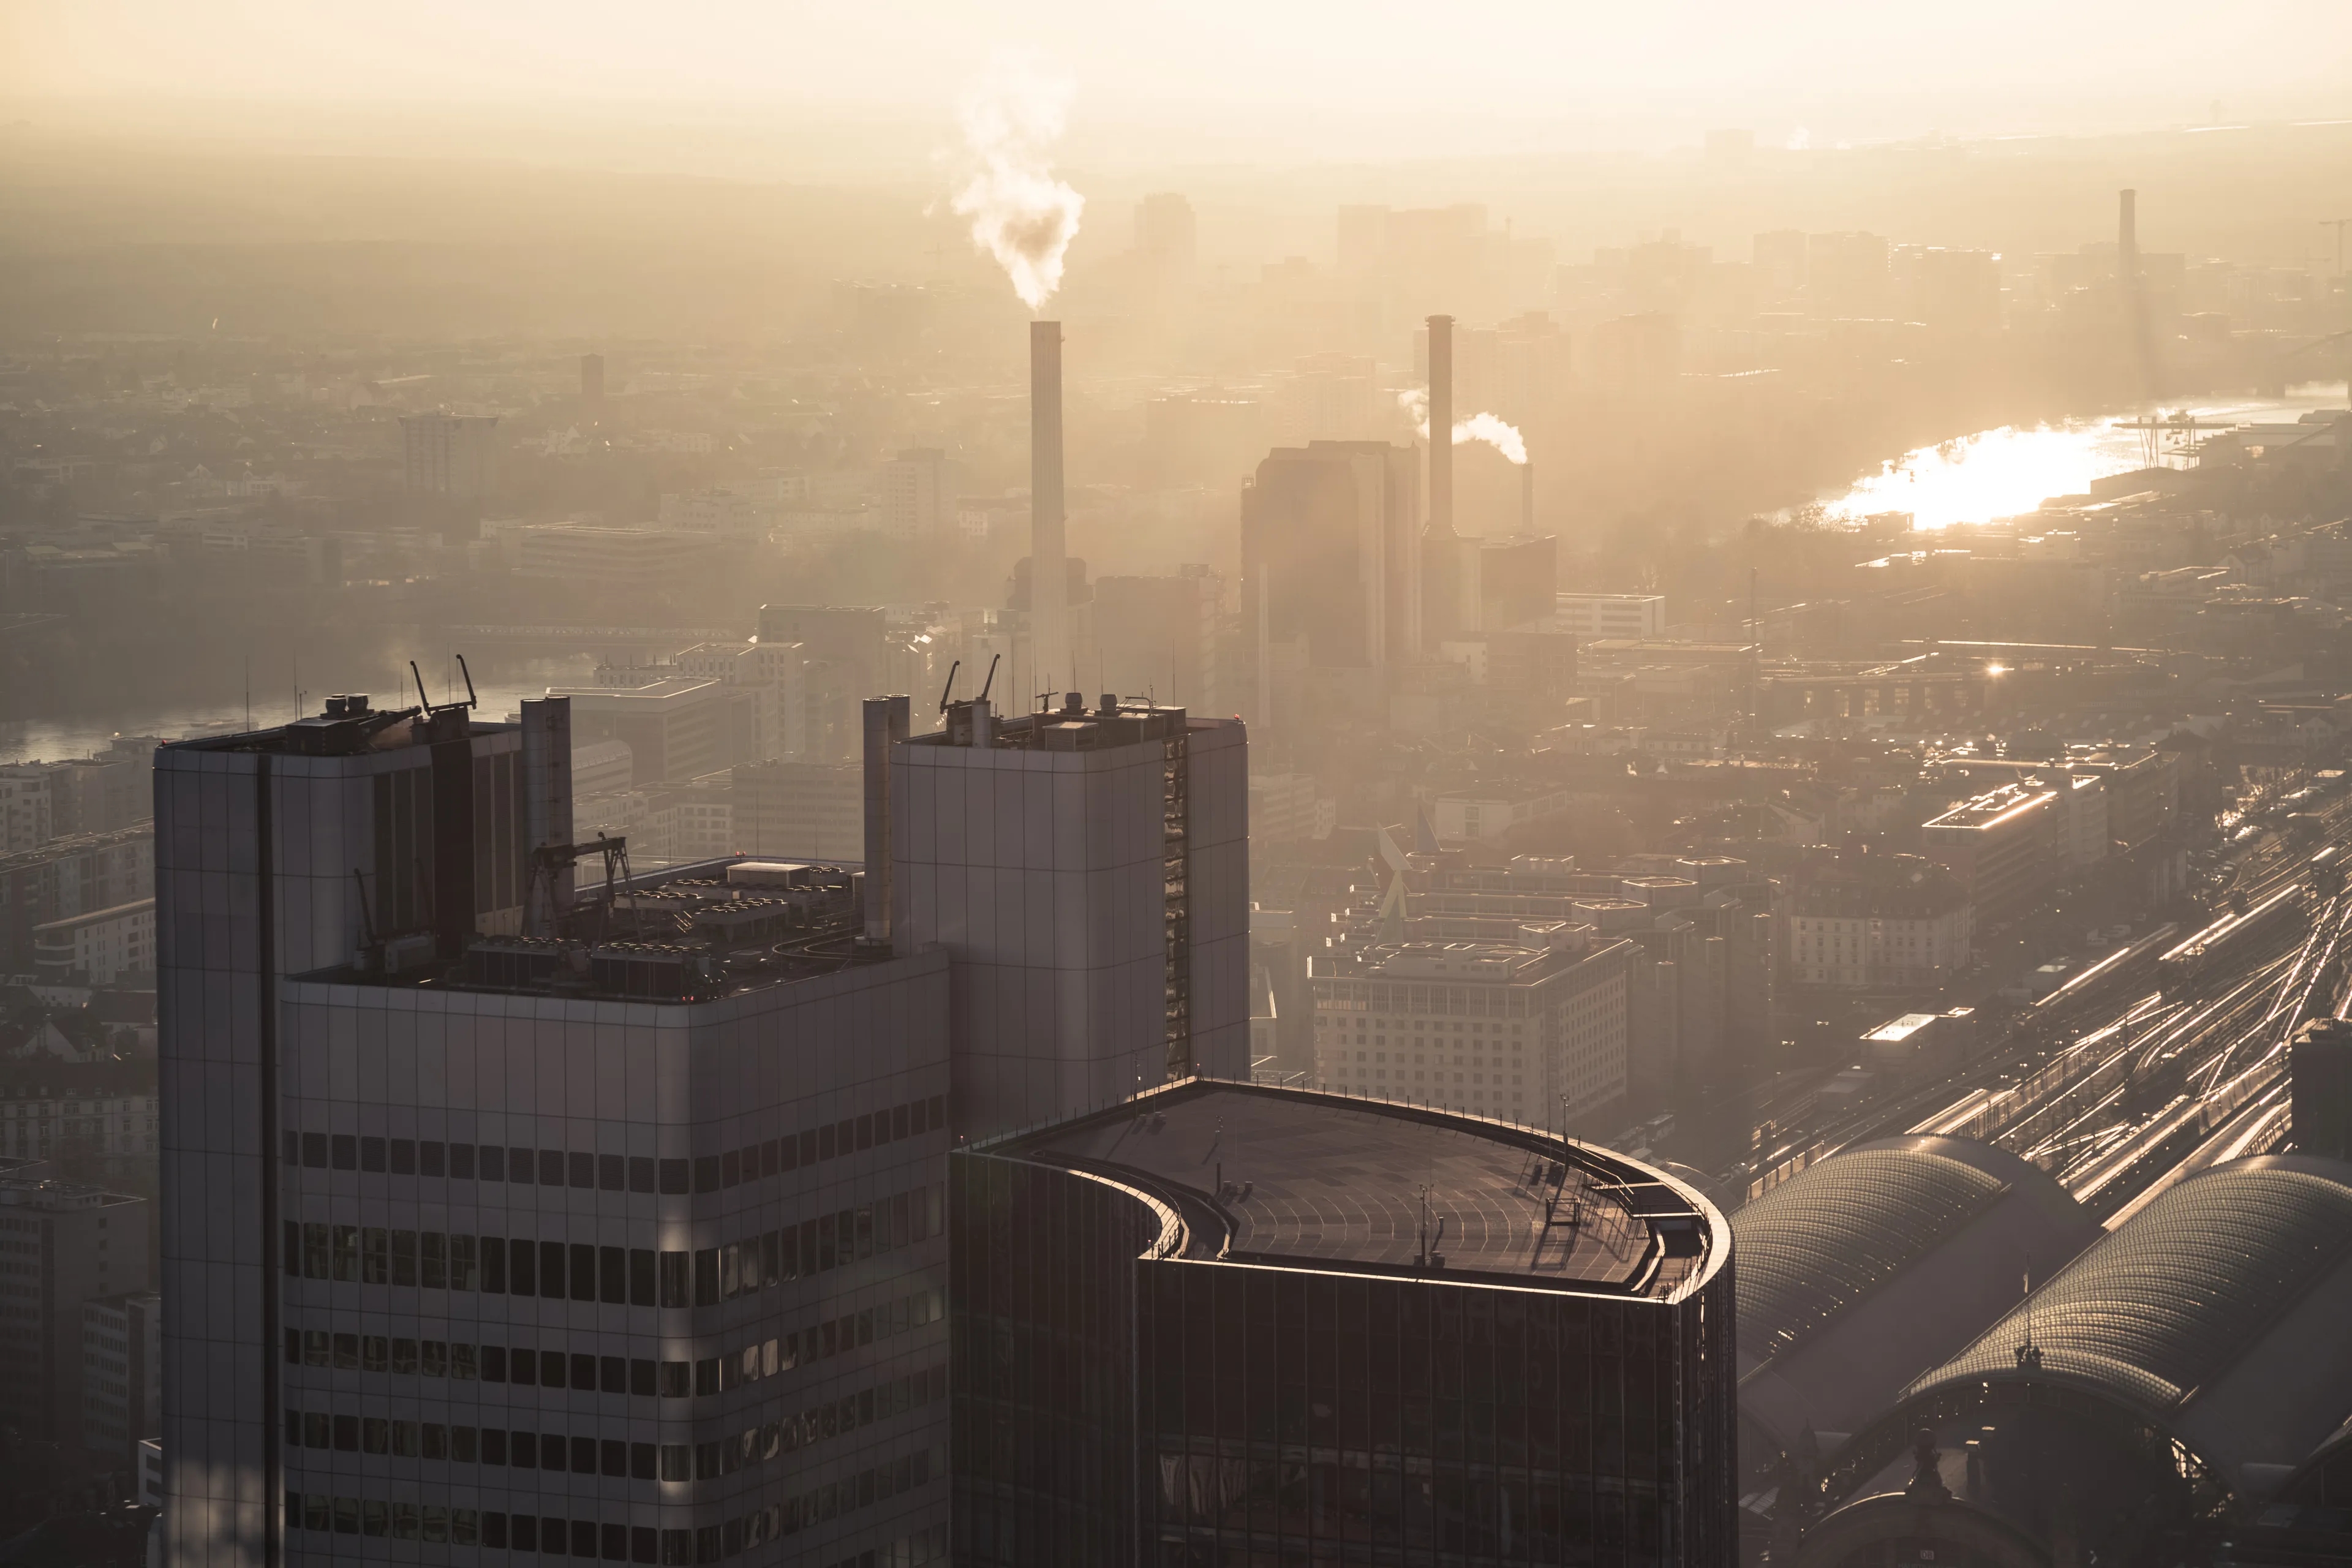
{"points": [[612, 1543], [613, 1172], [587, 1455], [632, 1275], [642, 1377]]}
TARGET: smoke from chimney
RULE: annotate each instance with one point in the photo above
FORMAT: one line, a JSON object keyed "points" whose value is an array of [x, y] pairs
{"points": [[1049, 580], [1020, 213]]}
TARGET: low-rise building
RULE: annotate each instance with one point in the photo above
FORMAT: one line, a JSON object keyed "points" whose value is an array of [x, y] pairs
{"points": [[1866, 923], [98, 947], [1612, 614], [1535, 1035], [122, 1374], [2004, 846], [61, 1244], [62, 878]]}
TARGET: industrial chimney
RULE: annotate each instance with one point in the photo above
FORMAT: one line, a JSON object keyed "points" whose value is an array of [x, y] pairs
{"points": [[1049, 578], [1527, 500], [1441, 424]]}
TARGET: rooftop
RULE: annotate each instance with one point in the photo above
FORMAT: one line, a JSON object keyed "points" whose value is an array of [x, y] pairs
{"points": [[1297, 1178], [690, 933]]}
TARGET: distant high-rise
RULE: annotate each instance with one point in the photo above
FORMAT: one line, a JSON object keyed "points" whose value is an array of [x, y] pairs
{"points": [[450, 456], [919, 497], [1331, 566], [592, 384], [1086, 870], [1166, 236]]}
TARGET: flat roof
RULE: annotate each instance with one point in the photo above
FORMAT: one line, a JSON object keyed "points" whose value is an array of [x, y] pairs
{"points": [[1296, 1178]]}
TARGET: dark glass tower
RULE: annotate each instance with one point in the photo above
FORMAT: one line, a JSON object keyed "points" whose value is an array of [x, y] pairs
{"points": [[1229, 1323]]}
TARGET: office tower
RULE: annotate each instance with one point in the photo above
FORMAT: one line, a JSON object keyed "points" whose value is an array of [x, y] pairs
{"points": [[66, 1244], [608, 1225], [451, 456], [1330, 571], [1087, 871], [1049, 630], [122, 1374], [1288, 1326], [400, 831], [592, 384], [919, 497], [1166, 236]]}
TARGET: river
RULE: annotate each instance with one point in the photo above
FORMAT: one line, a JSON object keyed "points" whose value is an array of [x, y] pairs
{"points": [[2011, 470]]}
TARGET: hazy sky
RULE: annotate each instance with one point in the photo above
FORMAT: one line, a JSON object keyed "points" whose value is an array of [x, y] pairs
{"points": [[1204, 80]]}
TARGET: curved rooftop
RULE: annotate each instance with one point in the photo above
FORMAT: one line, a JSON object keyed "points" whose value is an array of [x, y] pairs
{"points": [[1294, 1177], [2216, 1314], [1878, 1263]]}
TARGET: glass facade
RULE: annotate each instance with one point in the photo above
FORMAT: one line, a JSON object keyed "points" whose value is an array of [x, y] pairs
{"points": [[1114, 1408]]}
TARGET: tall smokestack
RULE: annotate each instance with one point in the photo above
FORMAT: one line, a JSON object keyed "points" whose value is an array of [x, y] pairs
{"points": [[1441, 424], [2128, 236], [1527, 500], [1049, 580]]}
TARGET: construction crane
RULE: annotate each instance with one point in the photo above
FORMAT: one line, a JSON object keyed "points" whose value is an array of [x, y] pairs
{"points": [[541, 916]]}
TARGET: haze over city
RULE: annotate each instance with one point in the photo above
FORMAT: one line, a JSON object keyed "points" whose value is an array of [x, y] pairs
{"points": [[1046, 784]]}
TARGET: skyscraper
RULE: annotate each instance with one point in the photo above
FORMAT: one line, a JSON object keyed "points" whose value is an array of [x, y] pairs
{"points": [[1233, 1322], [1087, 869], [1331, 570], [500, 1220]]}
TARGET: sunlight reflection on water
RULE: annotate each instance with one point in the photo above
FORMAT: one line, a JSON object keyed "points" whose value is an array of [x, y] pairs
{"points": [[2004, 473]]}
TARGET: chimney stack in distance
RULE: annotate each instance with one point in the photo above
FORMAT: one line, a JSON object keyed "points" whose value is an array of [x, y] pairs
{"points": [[1441, 424], [1049, 578]]}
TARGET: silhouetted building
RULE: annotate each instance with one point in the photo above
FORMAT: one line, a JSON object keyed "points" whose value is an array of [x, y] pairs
{"points": [[2319, 1071], [1087, 868], [1224, 1319], [592, 384], [450, 456], [66, 1244], [1331, 558]]}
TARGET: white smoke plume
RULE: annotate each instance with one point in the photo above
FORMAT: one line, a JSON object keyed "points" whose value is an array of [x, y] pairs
{"points": [[1502, 435], [1492, 429], [1011, 116]]}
